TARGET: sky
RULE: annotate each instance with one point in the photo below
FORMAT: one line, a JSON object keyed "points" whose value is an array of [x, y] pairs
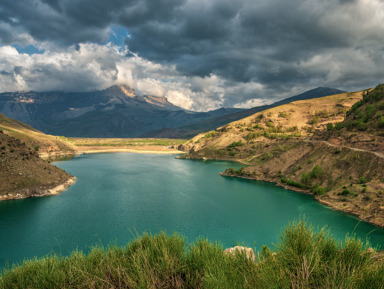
{"points": [[200, 54]]}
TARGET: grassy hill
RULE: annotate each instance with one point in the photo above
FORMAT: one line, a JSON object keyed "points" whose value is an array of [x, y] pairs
{"points": [[41, 142], [330, 147], [246, 138], [24, 174]]}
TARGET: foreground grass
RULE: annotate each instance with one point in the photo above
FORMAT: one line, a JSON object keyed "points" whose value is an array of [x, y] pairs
{"points": [[303, 258], [125, 141]]}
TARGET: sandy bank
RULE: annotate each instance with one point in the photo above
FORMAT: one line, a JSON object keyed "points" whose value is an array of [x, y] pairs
{"points": [[131, 149]]}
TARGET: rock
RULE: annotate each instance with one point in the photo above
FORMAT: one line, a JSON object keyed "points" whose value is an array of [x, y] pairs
{"points": [[248, 251], [370, 250]]}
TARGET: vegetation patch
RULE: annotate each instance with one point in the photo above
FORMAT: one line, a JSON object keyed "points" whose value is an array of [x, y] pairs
{"points": [[304, 257]]}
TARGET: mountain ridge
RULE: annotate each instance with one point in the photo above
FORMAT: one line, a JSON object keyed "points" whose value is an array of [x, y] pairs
{"points": [[118, 112], [114, 112]]}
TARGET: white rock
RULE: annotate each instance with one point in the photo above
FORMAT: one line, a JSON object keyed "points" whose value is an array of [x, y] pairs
{"points": [[248, 251]]}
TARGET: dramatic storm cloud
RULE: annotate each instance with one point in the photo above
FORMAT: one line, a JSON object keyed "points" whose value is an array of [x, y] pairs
{"points": [[200, 54]]}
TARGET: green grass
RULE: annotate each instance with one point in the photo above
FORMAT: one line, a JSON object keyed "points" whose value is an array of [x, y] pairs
{"points": [[302, 258]]}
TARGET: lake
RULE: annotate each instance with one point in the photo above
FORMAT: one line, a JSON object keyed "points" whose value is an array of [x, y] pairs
{"points": [[118, 196]]}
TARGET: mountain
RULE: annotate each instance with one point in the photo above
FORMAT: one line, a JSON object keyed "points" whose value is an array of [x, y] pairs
{"points": [[331, 147], [192, 129], [113, 112], [23, 174]]}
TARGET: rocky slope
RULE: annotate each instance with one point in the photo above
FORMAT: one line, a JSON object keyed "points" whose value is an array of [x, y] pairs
{"points": [[312, 147], [24, 174]]}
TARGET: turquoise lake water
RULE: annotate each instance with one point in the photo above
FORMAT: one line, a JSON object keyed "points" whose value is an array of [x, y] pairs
{"points": [[119, 196]]}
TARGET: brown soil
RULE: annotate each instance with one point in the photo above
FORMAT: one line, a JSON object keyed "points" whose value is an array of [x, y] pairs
{"points": [[23, 174]]}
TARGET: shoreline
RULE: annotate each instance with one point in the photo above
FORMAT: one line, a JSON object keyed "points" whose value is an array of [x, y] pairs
{"points": [[40, 193], [302, 191], [99, 149], [128, 150]]}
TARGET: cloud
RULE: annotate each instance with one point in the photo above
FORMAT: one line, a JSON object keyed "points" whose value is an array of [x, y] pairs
{"points": [[201, 54]]}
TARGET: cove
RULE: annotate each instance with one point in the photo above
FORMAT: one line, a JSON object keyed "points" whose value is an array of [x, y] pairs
{"points": [[118, 196]]}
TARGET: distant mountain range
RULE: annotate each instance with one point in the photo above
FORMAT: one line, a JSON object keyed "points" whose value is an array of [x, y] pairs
{"points": [[192, 129], [119, 112]]}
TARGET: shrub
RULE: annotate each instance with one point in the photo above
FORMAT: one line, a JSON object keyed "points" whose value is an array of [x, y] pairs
{"points": [[235, 144], [305, 178], [362, 180], [345, 192], [339, 126], [296, 184], [361, 126], [330, 126], [316, 172], [210, 134], [370, 111], [318, 191], [380, 123]]}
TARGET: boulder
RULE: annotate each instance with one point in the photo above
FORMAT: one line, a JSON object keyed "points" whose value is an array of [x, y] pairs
{"points": [[239, 249]]}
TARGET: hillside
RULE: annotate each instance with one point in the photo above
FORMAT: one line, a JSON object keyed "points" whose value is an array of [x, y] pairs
{"points": [[245, 138], [338, 160], [23, 174], [42, 143], [191, 130], [113, 112]]}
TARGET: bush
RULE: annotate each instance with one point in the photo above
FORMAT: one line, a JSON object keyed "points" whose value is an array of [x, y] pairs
{"points": [[339, 126], [346, 192], [362, 180], [316, 172], [370, 111], [361, 126], [235, 144], [318, 191], [296, 184], [380, 123], [210, 134], [330, 126]]}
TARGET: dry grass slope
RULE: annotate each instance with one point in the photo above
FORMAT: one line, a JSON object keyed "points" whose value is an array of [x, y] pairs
{"points": [[310, 146]]}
